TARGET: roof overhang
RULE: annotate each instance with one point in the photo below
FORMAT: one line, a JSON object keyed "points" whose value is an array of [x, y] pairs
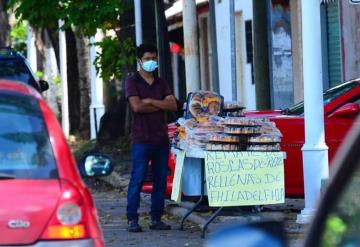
{"points": [[177, 8]]}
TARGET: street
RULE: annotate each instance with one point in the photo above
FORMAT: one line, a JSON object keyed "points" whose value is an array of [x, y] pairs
{"points": [[111, 206]]}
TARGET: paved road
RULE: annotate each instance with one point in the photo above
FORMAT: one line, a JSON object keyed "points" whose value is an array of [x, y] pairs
{"points": [[111, 207]]}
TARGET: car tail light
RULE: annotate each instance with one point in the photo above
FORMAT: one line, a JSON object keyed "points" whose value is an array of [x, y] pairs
{"points": [[69, 220], [69, 213]]}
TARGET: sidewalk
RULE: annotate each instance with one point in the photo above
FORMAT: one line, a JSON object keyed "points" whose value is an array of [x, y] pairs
{"points": [[286, 212]]}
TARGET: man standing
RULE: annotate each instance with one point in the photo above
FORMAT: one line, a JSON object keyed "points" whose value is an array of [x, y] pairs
{"points": [[149, 97]]}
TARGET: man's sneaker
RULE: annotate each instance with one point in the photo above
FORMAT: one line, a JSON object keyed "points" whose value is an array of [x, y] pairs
{"points": [[159, 225], [133, 226]]}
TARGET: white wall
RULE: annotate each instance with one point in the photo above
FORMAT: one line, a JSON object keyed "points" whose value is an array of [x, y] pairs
{"points": [[224, 52]]}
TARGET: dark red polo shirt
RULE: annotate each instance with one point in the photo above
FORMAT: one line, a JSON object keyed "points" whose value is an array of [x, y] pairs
{"points": [[148, 128]]}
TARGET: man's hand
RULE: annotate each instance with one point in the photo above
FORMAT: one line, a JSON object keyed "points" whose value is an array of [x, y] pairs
{"points": [[167, 104], [147, 101], [139, 106]]}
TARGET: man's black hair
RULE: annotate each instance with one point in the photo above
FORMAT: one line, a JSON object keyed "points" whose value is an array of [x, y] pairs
{"points": [[141, 49]]}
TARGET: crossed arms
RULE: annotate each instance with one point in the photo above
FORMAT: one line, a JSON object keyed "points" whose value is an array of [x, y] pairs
{"points": [[152, 105]]}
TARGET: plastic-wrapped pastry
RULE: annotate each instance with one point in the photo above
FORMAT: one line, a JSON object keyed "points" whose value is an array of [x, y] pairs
{"points": [[243, 121], [214, 108], [242, 130], [238, 113], [233, 106], [222, 147], [223, 138], [270, 128], [273, 147], [203, 104], [195, 106], [265, 139]]}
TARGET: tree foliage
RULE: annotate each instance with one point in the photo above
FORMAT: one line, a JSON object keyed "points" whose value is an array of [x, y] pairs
{"points": [[85, 16], [18, 37], [114, 57]]}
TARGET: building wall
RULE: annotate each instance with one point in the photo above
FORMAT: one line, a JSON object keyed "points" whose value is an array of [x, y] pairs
{"points": [[280, 54], [350, 28], [245, 94], [295, 8]]}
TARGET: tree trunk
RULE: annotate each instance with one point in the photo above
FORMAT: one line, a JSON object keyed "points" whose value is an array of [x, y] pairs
{"points": [[261, 58], [83, 57], [47, 63], [4, 25], [164, 55], [73, 81]]}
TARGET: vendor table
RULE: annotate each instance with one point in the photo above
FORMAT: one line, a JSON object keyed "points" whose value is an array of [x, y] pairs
{"points": [[199, 155], [196, 158]]}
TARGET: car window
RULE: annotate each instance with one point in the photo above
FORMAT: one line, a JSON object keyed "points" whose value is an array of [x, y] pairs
{"points": [[16, 69], [342, 224], [25, 149], [329, 95]]}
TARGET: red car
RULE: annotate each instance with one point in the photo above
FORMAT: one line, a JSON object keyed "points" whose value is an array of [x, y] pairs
{"points": [[43, 199], [341, 106], [147, 186]]}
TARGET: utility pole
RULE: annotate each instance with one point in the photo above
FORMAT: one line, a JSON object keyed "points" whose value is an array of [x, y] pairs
{"points": [[192, 69], [138, 24], [315, 151], [233, 50], [64, 83], [261, 55]]}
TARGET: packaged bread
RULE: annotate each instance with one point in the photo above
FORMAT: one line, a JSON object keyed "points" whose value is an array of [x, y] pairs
{"points": [[202, 104], [238, 113], [269, 128], [218, 137], [241, 130], [243, 121], [265, 138], [229, 106], [272, 147], [222, 147]]}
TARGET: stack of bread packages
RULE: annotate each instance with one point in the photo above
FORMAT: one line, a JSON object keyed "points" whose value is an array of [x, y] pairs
{"points": [[233, 109], [209, 124], [201, 118], [254, 134], [268, 140], [227, 141]]}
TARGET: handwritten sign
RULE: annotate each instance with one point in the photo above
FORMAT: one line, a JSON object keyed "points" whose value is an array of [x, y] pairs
{"points": [[176, 188], [244, 178]]}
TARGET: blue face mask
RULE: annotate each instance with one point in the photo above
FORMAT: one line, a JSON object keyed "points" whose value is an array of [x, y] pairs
{"points": [[149, 66]]}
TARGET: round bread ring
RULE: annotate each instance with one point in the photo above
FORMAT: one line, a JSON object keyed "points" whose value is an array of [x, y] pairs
{"points": [[214, 108], [195, 108]]}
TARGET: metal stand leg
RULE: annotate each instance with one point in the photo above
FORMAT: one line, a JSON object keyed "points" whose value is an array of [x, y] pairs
{"points": [[213, 216], [189, 212], [201, 196]]}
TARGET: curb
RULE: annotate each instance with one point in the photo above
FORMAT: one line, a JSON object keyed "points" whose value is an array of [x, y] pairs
{"points": [[181, 211]]}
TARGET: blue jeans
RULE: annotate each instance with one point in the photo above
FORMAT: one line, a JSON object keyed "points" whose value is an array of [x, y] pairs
{"points": [[141, 155]]}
